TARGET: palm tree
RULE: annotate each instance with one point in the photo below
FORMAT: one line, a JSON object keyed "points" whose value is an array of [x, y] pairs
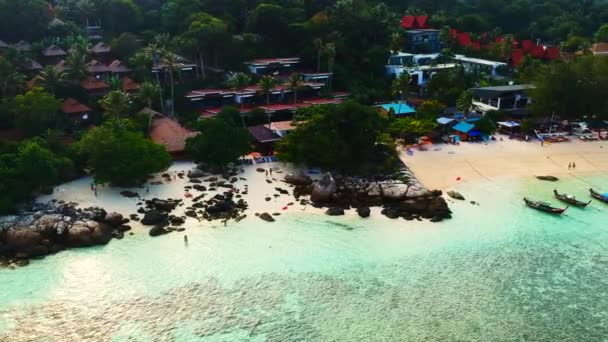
{"points": [[330, 51], [294, 83], [239, 80], [141, 63], [115, 103], [464, 102], [115, 83], [318, 43], [51, 78], [266, 84], [147, 92], [170, 61], [401, 85], [75, 64], [163, 41], [154, 51]]}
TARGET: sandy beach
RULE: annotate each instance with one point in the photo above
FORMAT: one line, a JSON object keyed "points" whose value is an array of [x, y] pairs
{"points": [[443, 165]]}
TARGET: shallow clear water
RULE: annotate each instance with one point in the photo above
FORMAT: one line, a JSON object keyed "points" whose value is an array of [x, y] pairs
{"points": [[496, 272]]}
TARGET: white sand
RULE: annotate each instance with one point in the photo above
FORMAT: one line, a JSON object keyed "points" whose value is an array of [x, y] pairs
{"points": [[504, 159], [110, 199]]}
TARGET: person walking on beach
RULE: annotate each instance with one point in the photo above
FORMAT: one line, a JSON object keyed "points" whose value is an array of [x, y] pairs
{"points": [[95, 189], [573, 165], [569, 166], [186, 240], [147, 189], [266, 172]]}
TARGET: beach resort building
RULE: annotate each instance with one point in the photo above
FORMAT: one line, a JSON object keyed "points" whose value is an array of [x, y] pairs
{"points": [[422, 67], [600, 49], [265, 136], [168, 132], [511, 98], [75, 111], [419, 37], [399, 109]]}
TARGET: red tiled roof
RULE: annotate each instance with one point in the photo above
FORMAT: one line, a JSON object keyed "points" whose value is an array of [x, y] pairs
{"points": [[599, 48], [91, 83], [209, 92], [323, 101], [170, 133], [464, 39], [552, 53], [277, 107], [408, 22], [72, 106], [422, 21], [129, 85]]}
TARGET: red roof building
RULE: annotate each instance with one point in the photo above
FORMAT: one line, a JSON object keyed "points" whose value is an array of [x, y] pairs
{"points": [[411, 22], [118, 67], [516, 56], [72, 106], [168, 132], [94, 86]]}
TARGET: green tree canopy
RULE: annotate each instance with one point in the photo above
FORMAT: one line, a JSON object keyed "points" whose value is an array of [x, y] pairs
{"points": [[602, 34], [35, 111], [343, 139], [24, 19], [415, 126], [430, 109], [125, 45], [221, 141], [117, 153]]}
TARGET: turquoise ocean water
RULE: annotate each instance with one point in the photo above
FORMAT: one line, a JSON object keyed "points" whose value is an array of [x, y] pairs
{"points": [[496, 272]]}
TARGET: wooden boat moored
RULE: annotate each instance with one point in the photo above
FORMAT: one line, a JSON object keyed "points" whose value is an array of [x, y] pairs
{"points": [[598, 196], [570, 199], [542, 206]]}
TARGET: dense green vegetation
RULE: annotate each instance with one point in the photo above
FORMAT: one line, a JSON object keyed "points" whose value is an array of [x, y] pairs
{"points": [[345, 138], [351, 38], [117, 153], [222, 140]]}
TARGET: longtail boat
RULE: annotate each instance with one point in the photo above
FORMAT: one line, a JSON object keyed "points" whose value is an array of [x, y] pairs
{"points": [[542, 206], [598, 196], [570, 199]]}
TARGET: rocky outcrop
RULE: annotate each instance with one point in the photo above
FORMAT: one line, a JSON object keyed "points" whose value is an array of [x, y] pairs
{"points": [[55, 228], [158, 230], [298, 179], [154, 217], [323, 189], [196, 173]]}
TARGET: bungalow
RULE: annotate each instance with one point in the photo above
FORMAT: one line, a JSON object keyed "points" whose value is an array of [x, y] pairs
{"points": [[23, 46], [183, 66], [512, 98], [272, 66], [423, 40], [118, 67], [168, 132], [101, 51], [463, 130], [265, 136], [97, 68], [491, 68], [53, 54], [94, 86], [74, 110], [30, 66], [397, 108]]}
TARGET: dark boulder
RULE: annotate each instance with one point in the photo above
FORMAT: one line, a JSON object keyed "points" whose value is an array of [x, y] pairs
{"points": [[158, 230], [114, 219], [298, 179], [363, 211], [267, 217], [324, 189], [547, 178], [456, 195], [334, 211], [154, 217]]}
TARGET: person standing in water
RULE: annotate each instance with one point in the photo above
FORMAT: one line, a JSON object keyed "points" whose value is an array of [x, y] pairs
{"points": [[186, 240]]}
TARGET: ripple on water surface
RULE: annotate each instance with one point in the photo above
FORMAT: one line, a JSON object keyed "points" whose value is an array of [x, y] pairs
{"points": [[498, 272]]}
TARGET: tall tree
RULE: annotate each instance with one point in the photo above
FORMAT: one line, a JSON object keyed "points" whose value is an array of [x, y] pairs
{"points": [[75, 64], [318, 44], [51, 79], [24, 19], [118, 154], [209, 34], [239, 80], [170, 61], [294, 83], [221, 142], [267, 83], [116, 104], [147, 93], [35, 111], [11, 80]]}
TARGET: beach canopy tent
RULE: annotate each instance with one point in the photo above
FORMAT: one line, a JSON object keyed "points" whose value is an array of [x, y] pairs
{"points": [[444, 121], [474, 133], [508, 124], [398, 108], [463, 127]]}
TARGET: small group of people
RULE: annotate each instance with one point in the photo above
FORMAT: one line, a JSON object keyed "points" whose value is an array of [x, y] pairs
{"points": [[571, 166], [269, 172]]}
